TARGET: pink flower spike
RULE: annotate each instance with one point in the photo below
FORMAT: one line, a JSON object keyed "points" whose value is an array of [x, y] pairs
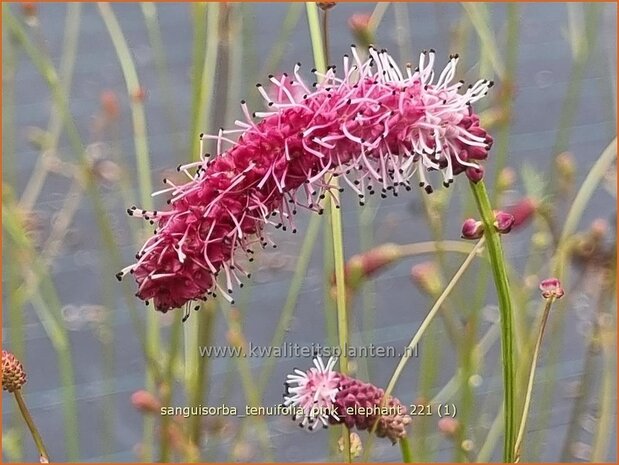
{"points": [[551, 288], [472, 229], [503, 222], [372, 124]]}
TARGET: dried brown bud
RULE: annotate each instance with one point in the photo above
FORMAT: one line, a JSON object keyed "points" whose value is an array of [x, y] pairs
{"points": [[13, 374]]}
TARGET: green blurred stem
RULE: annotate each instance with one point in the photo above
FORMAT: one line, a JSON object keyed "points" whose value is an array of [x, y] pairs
{"points": [[506, 97], [529, 391], [583, 43], [137, 108], [205, 78], [151, 18], [38, 440], [142, 158], [318, 48], [498, 266], [405, 448], [283, 39]]}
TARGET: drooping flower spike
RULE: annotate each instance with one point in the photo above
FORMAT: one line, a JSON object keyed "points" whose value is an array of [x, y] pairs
{"points": [[323, 397], [374, 125]]}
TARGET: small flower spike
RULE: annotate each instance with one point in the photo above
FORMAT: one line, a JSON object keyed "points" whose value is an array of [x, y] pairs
{"points": [[326, 397], [373, 124], [13, 374], [551, 288]]}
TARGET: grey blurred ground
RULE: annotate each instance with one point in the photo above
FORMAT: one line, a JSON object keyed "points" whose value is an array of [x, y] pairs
{"points": [[545, 60]]}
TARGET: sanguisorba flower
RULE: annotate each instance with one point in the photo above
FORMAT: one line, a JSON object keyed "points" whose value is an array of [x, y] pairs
{"points": [[374, 125], [322, 396]]}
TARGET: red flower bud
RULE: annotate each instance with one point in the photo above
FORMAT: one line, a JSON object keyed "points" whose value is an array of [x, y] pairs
{"points": [[475, 174], [503, 222], [472, 229]]}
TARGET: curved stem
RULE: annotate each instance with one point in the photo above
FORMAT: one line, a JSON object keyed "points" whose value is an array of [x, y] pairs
{"points": [[38, 440], [529, 392], [497, 264], [408, 351]]}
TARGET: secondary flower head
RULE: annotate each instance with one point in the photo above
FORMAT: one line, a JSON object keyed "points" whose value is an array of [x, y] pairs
{"points": [[324, 396], [374, 125]]}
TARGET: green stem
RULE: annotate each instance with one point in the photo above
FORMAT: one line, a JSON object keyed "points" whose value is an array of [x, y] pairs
{"points": [[44, 456], [529, 391], [497, 264], [405, 448]]}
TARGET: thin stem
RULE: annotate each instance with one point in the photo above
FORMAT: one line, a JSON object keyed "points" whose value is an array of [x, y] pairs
{"points": [[315, 35], [408, 351], [529, 391], [325, 33], [497, 264], [38, 440]]}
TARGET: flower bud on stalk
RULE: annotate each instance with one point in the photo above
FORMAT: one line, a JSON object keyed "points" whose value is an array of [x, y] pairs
{"points": [[426, 276], [472, 229], [362, 266], [361, 28], [503, 222], [145, 402], [551, 288]]}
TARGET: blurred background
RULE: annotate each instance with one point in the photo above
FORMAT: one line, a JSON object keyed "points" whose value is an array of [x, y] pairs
{"points": [[101, 101]]}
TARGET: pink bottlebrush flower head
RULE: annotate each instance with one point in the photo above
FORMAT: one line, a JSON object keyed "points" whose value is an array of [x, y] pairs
{"points": [[374, 125], [324, 396]]}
